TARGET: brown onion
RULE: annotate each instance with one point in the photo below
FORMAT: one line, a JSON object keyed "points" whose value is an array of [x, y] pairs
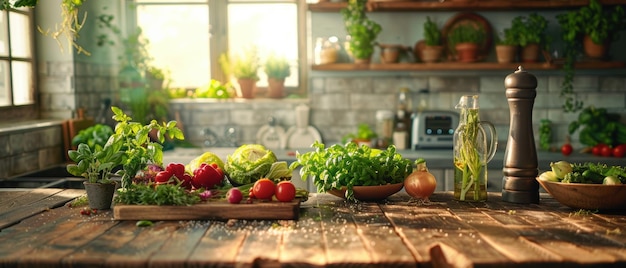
{"points": [[420, 183]]}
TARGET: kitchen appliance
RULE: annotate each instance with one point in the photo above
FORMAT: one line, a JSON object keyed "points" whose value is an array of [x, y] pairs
{"points": [[433, 129]]}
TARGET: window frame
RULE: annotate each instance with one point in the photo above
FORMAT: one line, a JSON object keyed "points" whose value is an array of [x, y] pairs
{"points": [[218, 42], [13, 112]]}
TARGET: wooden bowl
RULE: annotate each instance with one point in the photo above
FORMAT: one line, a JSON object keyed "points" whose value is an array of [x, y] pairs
{"points": [[587, 196], [370, 193]]}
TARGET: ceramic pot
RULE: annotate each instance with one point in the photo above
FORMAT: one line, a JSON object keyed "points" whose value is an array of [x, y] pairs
{"points": [[593, 50], [466, 52], [506, 53], [389, 55], [431, 54], [275, 88], [247, 87], [363, 61], [100, 195], [530, 53]]}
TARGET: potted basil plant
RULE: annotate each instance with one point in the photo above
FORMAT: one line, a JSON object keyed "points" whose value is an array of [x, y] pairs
{"points": [[432, 38], [362, 31], [128, 150]]}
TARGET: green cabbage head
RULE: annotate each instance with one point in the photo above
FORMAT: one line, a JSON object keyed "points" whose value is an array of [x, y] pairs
{"points": [[249, 163]]}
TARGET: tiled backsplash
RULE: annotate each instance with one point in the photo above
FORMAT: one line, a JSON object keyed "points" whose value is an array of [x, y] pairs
{"points": [[339, 104]]}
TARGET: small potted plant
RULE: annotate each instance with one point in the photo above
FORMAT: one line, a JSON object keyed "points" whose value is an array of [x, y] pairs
{"points": [[363, 136], [506, 46], [244, 68], [465, 38], [432, 42], [530, 34], [128, 148], [595, 25], [362, 31], [277, 69], [601, 26]]}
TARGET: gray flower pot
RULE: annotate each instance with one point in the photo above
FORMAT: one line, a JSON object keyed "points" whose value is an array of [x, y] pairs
{"points": [[100, 195]]}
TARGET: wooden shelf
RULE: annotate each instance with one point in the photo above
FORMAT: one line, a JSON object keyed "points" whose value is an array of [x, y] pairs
{"points": [[473, 5], [456, 66]]}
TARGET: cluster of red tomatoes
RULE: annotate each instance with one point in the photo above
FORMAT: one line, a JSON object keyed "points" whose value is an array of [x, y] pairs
{"points": [[602, 149], [264, 189]]}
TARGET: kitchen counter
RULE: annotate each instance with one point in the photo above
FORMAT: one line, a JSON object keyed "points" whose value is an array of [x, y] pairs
{"points": [[37, 230]]}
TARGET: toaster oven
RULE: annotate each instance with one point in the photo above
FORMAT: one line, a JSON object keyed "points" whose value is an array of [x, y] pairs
{"points": [[433, 129]]}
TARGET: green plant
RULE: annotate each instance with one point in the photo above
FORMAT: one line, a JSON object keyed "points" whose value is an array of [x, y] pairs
{"points": [[364, 132], [530, 30], [432, 34], [466, 33], [507, 38], [129, 148], [593, 20], [243, 66], [362, 30], [352, 165], [277, 67]]}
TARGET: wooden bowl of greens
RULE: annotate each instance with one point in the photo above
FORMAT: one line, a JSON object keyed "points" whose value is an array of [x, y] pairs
{"points": [[586, 186], [352, 170]]}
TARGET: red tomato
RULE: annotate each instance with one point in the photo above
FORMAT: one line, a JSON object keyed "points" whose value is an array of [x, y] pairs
{"points": [[566, 149], [163, 177], [263, 189], [597, 150], [606, 151], [285, 191], [619, 150]]}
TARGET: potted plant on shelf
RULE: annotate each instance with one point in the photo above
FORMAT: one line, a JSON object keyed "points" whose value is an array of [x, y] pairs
{"points": [[595, 24], [244, 67], [530, 34], [362, 31], [506, 46], [128, 148], [465, 39], [432, 50], [363, 136], [277, 69]]}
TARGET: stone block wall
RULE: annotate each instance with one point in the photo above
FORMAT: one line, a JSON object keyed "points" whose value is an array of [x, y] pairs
{"points": [[29, 148], [339, 104]]}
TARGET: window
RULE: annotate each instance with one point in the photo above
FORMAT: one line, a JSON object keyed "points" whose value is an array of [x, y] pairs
{"points": [[188, 37], [17, 84]]}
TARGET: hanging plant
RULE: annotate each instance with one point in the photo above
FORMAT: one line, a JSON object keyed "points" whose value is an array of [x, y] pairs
{"points": [[69, 26]]}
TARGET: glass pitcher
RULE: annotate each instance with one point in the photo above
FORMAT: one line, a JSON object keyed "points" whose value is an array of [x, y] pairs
{"points": [[474, 147]]}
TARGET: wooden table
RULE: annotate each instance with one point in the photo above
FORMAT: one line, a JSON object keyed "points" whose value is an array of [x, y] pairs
{"points": [[37, 230]]}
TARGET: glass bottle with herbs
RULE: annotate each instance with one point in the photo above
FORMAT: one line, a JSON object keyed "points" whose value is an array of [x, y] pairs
{"points": [[475, 143]]}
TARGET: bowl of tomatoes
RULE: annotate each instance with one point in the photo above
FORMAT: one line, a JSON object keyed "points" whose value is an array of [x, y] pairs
{"points": [[590, 186]]}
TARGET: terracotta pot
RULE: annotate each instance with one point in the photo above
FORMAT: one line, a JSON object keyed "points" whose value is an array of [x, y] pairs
{"points": [[467, 52], [100, 195], [593, 50], [363, 61], [389, 55], [247, 88], [506, 53], [431, 53], [276, 88], [530, 53]]}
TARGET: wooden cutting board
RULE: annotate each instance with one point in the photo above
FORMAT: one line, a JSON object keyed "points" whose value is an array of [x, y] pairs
{"points": [[213, 210]]}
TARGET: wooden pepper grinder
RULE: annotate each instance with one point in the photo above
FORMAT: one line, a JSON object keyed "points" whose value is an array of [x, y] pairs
{"points": [[519, 184]]}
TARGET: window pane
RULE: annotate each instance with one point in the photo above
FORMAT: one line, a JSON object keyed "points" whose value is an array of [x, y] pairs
{"points": [[272, 28], [23, 90], [179, 41], [4, 38], [20, 35], [5, 86]]}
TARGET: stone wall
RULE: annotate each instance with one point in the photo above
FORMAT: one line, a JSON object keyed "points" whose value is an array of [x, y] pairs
{"points": [[339, 104]]}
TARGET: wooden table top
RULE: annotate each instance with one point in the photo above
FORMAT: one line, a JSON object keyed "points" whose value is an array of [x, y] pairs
{"points": [[36, 229]]}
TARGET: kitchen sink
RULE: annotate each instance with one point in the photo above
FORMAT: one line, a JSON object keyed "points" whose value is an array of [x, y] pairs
{"points": [[55, 177]]}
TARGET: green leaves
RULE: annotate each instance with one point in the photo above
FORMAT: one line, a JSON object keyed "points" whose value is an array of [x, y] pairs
{"points": [[352, 165]]}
